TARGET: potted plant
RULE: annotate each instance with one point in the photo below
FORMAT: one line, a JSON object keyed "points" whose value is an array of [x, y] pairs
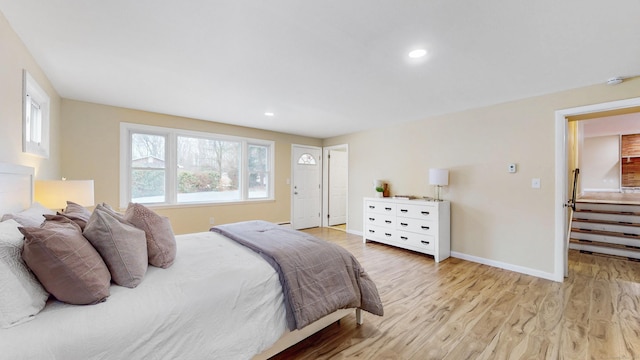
{"points": [[379, 191]]}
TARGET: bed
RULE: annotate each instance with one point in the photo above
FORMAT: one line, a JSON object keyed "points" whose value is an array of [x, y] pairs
{"points": [[218, 299]]}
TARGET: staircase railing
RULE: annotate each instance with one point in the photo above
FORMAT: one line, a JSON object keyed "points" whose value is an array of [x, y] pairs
{"points": [[572, 201]]}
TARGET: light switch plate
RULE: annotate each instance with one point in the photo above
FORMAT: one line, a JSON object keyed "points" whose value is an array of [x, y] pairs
{"points": [[512, 168]]}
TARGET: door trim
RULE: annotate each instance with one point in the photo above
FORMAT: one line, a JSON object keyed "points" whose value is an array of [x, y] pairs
{"points": [[325, 182], [561, 185]]}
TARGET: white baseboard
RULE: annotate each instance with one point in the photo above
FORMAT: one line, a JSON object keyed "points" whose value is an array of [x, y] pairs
{"points": [[506, 266], [359, 233]]}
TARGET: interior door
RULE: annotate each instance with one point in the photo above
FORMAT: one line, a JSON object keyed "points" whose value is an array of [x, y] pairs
{"points": [[337, 187], [306, 187]]}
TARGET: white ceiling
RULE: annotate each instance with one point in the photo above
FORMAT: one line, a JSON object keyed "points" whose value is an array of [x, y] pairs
{"points": [[323, 67]]}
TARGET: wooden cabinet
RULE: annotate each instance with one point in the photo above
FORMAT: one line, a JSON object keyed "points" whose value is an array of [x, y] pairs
{"points": [[417, 225], [630, 160]]}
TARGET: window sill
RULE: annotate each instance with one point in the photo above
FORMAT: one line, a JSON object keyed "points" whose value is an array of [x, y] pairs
{"points": [[202, 204]]}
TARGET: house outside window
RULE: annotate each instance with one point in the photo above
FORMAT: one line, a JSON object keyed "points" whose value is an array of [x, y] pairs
{"points": [[163, 166]]}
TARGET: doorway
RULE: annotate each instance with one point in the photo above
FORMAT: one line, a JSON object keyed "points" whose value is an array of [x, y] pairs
{"points": [[566, 159], [335, 189]]}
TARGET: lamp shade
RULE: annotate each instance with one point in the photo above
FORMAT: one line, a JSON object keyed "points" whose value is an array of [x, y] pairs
{"points": [[54, 194], [439, 177]]}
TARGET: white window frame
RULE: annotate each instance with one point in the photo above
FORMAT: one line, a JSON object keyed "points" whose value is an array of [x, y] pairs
{"points": [[34, 96], [171, 185]]}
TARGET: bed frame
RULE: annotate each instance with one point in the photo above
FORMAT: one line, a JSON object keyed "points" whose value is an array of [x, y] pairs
{"points": [[17, 192]]}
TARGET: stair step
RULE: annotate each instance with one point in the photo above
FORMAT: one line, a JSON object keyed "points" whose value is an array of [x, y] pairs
{"points": [[605, 248], [614, 216], [625, 258], [606, 237], [613, 207], [612, 212], [606, 226], [608, 222]]}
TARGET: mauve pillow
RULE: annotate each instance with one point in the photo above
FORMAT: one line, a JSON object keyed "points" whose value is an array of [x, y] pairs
{"points": [[123, 247], [161, 242], [106, 207], [77, 213], [65, 262], [21, 295]]}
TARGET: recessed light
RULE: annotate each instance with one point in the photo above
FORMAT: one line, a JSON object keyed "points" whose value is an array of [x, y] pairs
{"points": [[417, 53], [269, 114]]}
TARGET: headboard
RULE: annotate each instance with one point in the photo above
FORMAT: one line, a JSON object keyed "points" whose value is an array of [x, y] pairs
{"points": [[16, 187]]}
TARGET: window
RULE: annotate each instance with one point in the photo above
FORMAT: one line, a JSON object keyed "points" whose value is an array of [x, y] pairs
{"points": [[148, 171], [35, 118], [172, 167]]}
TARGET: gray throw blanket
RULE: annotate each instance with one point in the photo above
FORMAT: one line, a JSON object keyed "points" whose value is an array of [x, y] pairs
{"points": [[317, 277]]}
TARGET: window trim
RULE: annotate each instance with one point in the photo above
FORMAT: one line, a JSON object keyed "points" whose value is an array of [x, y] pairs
{"points": [[171, 136], [33, 92]]}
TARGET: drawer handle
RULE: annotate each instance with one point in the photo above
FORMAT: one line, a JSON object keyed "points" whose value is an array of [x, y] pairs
{"points": [[424, 212], [388, 208], [372, 231], [371, 207], [404, 224], [404, 238], [425, 242], [372, 219], [404, 210], [388, 235], [388, 221], [424, 227]]}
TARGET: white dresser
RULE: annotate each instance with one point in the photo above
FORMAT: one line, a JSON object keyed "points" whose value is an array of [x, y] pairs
{"points": [[418, 225]]}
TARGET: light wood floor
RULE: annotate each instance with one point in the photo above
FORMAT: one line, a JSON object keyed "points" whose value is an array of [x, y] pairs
{"points": [[462, 310]]}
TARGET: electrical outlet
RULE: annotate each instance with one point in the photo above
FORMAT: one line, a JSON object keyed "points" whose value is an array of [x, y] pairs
{"points": [[211, 221], [512, 168]]}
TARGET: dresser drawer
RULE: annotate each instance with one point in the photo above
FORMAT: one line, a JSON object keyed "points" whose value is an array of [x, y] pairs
{"points": [[380, 207], [413, 211], [379, 232], [419, 241], [417, 226], [377, 219]]}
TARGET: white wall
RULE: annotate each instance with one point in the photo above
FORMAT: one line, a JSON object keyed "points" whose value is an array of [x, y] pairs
{"points": [[600, 169]]}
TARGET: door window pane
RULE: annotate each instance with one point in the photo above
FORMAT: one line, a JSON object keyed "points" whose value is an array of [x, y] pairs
{"points": [[306, 159]]}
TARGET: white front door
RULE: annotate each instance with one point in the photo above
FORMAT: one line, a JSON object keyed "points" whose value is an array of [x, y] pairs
{"points": [[337, 187], [306, 189]]}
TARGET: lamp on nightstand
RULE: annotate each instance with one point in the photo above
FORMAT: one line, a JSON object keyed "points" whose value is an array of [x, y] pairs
{"points": [[53, 194], [439, 178]]}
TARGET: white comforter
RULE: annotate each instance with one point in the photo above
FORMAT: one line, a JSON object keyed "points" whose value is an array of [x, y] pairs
{"points": [[219, 300]]}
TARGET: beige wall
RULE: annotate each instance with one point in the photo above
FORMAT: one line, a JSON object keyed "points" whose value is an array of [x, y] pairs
{"points": [[494, 215], [14, 57], [91, 150]]}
